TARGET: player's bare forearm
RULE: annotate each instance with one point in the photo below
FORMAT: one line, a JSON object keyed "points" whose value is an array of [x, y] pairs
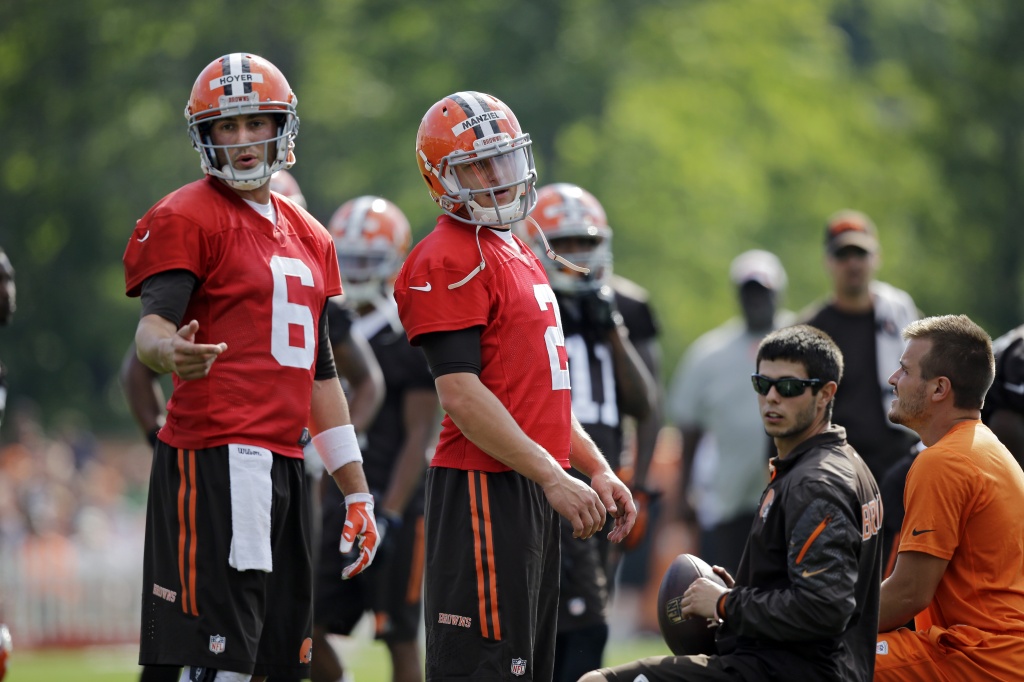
{"points": [[351, 479], [483, 419], [142, 390], [647, 431], [164, 348], [909, 589], [151, 334], [637, 388], [648, 428], [328, 406], [420, 417], [584, 455], [356, 362]]}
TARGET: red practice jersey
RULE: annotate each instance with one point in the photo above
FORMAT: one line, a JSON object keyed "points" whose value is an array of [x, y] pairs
{"points": [[261, 290], [522, 345]]}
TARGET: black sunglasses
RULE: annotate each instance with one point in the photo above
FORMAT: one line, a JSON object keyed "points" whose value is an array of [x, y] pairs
{"points": [[788, 387]]}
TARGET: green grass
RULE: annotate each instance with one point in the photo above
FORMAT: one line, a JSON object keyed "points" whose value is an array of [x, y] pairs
{"points": [[369, 661]]}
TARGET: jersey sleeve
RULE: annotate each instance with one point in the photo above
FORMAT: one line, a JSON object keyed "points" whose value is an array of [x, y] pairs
{"points": [[427, 304], [332, 273], [162, 241], [938, 491]]}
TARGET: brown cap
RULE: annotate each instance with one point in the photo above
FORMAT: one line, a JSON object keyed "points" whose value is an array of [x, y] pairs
{"points": [[850, 228]]}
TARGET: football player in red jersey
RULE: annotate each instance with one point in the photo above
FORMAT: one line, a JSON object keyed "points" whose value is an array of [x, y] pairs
{"points": [[372, 238], [234, 283], [355, 362], [609, 381], [478, 302]]}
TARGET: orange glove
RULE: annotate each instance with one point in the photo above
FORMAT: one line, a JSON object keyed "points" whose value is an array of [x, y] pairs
{"points": [[359, 524]]}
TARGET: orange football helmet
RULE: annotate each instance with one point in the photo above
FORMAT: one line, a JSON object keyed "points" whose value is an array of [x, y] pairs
{"points": [[476, 160], [234, 85], [575, 225], [372, 238]]}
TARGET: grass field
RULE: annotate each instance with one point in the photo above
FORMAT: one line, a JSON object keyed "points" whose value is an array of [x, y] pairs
{"points": [[369, 661]]}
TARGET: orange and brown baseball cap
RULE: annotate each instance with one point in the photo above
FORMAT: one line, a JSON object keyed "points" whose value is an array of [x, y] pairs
{"points": [[850, 228]]}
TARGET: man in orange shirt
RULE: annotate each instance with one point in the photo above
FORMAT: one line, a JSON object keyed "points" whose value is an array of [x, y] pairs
{"points": [[958, 571]]}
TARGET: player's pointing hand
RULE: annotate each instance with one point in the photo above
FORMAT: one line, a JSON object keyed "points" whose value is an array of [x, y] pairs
{"points": [[188, 359]]}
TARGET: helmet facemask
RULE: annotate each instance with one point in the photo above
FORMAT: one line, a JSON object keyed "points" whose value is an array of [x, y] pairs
{"points": [[595, 256], [495, 182], [366, 272], [278, 151]]}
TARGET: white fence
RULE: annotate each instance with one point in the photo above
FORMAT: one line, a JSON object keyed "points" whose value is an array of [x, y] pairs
{"points": [[54, 593]]}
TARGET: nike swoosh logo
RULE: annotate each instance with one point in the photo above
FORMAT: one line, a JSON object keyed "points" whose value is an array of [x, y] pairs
{"points": [[426, 288], [916, 532], [144, 237], [808, 574]]}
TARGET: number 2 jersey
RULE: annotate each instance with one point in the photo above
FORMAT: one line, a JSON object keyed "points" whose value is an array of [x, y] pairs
{"points": [[522, 347], [261, 291]]}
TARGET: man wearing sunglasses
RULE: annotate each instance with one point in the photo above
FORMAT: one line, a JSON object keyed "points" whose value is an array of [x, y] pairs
{"points": [[804, 602], [724, 448]]}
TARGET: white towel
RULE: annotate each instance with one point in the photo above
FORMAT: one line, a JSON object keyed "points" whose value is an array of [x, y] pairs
{"points": [[251, 496]]}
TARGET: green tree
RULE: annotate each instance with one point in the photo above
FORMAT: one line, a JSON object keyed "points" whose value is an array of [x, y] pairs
{"points": [[967, 57], [705, 128], [736, 125]]}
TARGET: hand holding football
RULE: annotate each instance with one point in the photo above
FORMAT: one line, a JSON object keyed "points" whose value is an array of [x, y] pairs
{"points": [[684, 635]]}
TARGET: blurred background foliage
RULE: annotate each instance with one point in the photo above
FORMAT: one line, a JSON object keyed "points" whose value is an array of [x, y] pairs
{"points": [[704, 127]]}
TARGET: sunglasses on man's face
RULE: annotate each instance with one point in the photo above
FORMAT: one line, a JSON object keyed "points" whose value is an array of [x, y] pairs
{"points": [[788, 387]]}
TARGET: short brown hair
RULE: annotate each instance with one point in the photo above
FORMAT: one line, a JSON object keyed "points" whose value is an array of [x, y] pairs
{"points": [[961, 351], [808, 346]]}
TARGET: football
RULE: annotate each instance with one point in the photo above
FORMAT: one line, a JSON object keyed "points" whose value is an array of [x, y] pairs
{"points": [[684, 636]]}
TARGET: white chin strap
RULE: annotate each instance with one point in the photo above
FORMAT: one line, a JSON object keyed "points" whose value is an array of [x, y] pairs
{"points": [[246, 180], [502, 216]]}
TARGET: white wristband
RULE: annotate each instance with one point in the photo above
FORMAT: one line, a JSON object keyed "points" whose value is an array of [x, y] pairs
{"points": [[338, 447], [359, 497]]}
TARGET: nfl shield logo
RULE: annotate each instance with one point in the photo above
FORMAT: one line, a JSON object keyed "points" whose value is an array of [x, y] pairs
{"points": [[217, 644], [518, 666]]}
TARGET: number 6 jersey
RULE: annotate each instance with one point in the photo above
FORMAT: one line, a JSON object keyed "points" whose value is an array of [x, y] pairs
{"points": [[521, 343], [261, 291]]}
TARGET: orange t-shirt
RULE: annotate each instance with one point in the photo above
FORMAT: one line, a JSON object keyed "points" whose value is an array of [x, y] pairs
{"points": [[965, 502]]}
